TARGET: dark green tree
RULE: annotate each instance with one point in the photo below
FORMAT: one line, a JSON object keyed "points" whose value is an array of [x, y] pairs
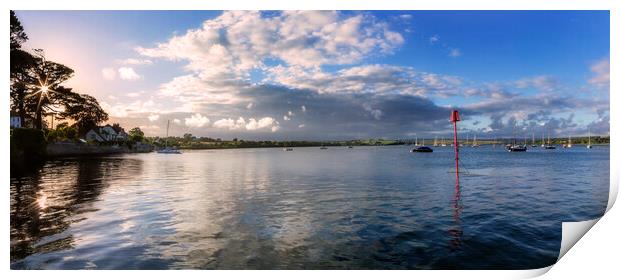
{"points": [[18, 35], [44, 93], [136, 134], [81, 108], [21, 64]]}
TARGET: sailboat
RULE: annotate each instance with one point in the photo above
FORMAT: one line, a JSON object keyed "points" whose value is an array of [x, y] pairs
{"points": [[166, 149], [435, 142], [514, 147], [533, 141], [475, 144], [416, 142], [443, 143], [570, 143], [542, 140], [589, 141], [549, 146], [287, 149], [421, 148]]}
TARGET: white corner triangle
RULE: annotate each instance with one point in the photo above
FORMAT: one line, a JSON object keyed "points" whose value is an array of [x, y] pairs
{"points": [[572, 232]]}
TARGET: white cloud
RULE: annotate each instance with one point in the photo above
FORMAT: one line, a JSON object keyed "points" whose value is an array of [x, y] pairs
{"points": [[230, 123], [222, 52], [366, 79], [539, 82], [153, 117], [135, 61], [196, 120], [108, 73], [191, 89], [301, 125], [601, 73], [254, 124], [238, 41], [176, 121], [434, 39], [303, 108], [290, 113], [127, 73], [286, 118], [455, 52], [251, 124], [134, 94]]}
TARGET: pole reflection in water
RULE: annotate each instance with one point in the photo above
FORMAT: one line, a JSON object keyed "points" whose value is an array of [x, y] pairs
{"points": [[456, 232]]}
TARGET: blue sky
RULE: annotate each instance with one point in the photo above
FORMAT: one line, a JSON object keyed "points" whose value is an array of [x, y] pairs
{"points": [[336, 75]]}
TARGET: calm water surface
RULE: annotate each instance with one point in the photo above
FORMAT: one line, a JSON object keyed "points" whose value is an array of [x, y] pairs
{"points": [[361, 208]]}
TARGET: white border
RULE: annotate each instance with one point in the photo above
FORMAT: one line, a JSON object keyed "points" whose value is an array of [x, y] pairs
{"points": [[601, 240]]}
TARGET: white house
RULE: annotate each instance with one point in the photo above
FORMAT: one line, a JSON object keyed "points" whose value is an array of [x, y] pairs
{"points": [[93, 135], [16, 121], [107, 133]]}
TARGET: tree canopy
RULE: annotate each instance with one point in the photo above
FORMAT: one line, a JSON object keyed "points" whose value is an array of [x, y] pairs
{"points": [[18, 35], [82, 108], [136, 134], [36, 87]]}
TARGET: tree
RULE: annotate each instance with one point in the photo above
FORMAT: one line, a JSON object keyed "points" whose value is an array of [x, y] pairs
{"points": [[18, 35], [62, 132], [117, 127], [44, 93], [20, 65], [82, 108], [136, 134], [188, 137], [36, 87]]}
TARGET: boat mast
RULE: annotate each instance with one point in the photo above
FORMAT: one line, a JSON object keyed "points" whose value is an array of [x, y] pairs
{"points": [[167, 128]]}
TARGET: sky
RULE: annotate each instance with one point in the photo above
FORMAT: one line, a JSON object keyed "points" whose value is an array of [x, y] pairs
{"points": [[329, 75]]}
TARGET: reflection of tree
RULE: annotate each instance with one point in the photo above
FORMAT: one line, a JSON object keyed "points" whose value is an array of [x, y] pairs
{"points": [[456, 232], [44, 201]]}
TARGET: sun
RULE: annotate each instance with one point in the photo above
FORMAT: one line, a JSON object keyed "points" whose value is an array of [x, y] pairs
{"points": [[44, 89]]}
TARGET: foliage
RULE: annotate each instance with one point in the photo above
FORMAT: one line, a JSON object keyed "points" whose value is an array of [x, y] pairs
{"points": [[18, 35], [82, 108], [63, 132], [36, 88], [136, 135]]}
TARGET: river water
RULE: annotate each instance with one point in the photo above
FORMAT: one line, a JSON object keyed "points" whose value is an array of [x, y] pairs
{"points": [[339, 208]]}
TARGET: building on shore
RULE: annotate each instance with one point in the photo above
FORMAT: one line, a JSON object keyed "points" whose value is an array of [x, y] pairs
{"points": [[107, 133], [16, 121]]}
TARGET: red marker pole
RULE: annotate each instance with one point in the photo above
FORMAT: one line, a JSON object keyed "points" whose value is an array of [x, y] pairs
{"points": [[454, 117]]}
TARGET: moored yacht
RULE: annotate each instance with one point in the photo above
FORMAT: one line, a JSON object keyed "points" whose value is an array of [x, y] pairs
{"points": [[166, 149], [422, 149]]}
